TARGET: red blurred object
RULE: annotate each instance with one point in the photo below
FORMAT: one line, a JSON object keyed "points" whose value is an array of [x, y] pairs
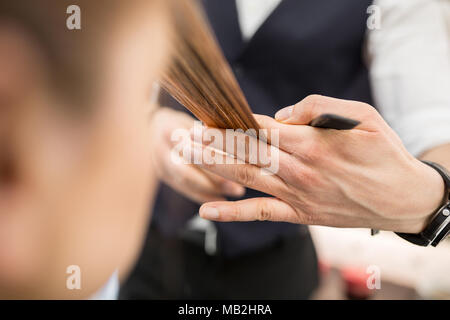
{"points": [[355, 279]]}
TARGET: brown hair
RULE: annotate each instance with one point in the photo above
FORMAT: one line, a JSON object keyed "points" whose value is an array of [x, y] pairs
{"points": [[199, 76]]}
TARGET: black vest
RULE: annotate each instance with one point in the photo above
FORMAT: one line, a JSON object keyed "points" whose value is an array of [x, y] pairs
{"points": [[304, 47]]}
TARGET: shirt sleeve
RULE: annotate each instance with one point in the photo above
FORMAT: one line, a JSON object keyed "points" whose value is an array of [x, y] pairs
{"points": [[409, 63]]}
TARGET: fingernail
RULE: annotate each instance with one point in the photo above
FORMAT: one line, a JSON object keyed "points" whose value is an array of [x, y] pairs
{"points": [[284, 113], [209, 213], [232, 189]]}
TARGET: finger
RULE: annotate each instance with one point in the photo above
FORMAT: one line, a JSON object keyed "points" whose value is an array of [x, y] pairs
{"points": [[228, 187], [235, 170], [273, 160], [315, 105], [195, 183], [244, 147], [256, 209], [286, 136], [273, 209]]}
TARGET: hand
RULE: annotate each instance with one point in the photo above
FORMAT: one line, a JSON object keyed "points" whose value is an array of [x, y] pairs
{"points": [[194, 183], [356, 178]]}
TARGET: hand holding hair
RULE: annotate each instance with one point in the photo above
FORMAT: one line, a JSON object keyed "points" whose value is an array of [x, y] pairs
{"points": [[355, 178], [352, 178]]}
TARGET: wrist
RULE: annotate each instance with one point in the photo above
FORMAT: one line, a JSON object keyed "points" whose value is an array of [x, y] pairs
{"points": [[428, 198]]}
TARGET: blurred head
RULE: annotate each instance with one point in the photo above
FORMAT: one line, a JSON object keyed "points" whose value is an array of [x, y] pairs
{"points": [[75, 176]]}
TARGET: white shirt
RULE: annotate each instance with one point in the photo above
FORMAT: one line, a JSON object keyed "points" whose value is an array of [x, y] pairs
{"points": [[409, 63], [110, 291]]}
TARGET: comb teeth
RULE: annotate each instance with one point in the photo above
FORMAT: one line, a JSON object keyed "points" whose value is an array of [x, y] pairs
{"points": [[200, 78]]}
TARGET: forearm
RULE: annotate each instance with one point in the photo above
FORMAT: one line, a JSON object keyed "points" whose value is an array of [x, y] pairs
{"points": [[439, 154]]}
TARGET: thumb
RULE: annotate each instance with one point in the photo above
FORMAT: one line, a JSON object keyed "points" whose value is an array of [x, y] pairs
{"points": [[313, 106]]}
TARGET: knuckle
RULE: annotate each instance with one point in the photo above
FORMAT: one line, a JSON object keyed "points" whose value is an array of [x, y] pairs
{"points": [[313, 100], [371, 112], [244, 176], [304, 109], [237, 212], [312, 151], [264, 211]]}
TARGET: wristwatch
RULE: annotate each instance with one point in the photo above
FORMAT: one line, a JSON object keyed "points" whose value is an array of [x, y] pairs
{"points": [[439, 226]]}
